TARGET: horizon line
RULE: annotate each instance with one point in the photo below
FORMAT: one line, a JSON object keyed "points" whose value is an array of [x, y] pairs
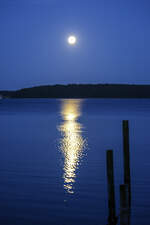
{"points": [[58, 84]]}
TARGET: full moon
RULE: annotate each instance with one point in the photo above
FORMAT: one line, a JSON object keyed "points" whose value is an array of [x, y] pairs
{"points": [[72, 40]]}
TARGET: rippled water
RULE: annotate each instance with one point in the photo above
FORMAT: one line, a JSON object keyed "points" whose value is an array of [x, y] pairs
{"points": [[72, 142], [53, 160]]}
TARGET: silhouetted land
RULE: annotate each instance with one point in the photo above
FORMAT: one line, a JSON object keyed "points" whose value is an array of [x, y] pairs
{"points": [[81, 91]]}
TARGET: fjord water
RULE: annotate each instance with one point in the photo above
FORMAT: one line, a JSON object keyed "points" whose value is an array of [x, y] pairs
{"points": [[53, 160]]}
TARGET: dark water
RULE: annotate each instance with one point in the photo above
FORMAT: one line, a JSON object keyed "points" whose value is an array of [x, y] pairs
{"points": [[53, 160]]}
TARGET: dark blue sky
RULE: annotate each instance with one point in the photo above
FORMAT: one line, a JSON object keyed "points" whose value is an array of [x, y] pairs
{"points": [[113, 42]]}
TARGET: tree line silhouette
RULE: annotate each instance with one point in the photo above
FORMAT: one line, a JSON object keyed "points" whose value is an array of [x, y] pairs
{"points": [[81, 91]]}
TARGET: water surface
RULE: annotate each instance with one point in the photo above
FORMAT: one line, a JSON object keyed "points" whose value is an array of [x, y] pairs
{"points": [[53, 160]]}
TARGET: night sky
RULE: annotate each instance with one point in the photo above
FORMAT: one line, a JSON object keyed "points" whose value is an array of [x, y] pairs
{"points": [[113, 42]]}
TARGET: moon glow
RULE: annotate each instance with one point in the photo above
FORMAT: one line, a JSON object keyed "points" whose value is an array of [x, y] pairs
{"points": [[72, 40]]}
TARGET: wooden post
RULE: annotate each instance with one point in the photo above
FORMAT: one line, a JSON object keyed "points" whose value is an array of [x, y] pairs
{"points": [[111, 192], [124, 205], [126, 156]]}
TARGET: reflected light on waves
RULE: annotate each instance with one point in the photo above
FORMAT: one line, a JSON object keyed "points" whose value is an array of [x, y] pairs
{"points": [[72, 142]]}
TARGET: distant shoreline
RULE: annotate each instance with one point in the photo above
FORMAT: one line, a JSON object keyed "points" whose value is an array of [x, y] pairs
{"points": [[81, 91]]}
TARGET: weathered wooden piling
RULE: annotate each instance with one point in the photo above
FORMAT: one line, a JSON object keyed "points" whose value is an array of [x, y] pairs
{"points": [[111, 190], [124, 205], [126, 157]]}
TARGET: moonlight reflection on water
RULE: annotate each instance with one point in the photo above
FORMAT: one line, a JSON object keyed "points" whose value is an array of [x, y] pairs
{"points": [[72, 142]]}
